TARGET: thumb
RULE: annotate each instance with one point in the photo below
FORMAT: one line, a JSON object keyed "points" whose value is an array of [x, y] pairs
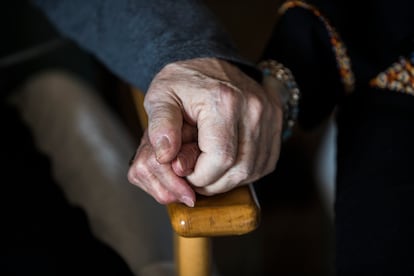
{"points": [[165, 122], [186, 159]]}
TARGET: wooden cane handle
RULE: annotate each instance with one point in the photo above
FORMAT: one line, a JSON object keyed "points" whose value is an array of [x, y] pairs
{"points": [[233, 213]]}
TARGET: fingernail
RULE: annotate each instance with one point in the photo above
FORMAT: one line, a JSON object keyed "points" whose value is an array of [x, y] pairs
{"points": [[162, 147], [187, 201], [182, 165]]}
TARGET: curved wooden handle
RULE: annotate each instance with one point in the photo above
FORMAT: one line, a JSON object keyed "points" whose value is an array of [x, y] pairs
{"points": [[233, 213]]}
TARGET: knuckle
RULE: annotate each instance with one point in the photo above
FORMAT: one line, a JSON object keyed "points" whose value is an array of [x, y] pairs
{"points": [[256, 109], [164, 197], [166, 73], [242, 175], [140, 171], [132, 177], [136, 175], [227, 95], [171, 67], [226, 158]]}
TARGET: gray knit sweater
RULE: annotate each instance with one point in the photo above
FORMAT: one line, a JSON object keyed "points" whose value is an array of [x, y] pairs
{"points": [[136, 38]]}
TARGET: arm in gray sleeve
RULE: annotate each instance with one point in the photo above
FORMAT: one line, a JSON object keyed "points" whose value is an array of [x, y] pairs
{"points": [[136, 38]]}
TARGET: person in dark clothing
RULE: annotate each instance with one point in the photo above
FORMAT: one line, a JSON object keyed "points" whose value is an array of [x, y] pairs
{"points": [[357, 58], [179, 55], [353, 56]]}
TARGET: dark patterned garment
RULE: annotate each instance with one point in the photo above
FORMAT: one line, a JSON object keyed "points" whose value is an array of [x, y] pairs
{"points": [[357, 57]]}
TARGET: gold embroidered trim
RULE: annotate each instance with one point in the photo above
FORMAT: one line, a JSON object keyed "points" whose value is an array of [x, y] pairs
{"points": [[342, 59], [398, 77]]}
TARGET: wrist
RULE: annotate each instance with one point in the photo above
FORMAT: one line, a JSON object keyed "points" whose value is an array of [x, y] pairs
{"points": [[288, 91]]}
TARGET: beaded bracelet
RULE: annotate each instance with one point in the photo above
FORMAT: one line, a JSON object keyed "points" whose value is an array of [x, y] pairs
{"points": [[290, 95]]}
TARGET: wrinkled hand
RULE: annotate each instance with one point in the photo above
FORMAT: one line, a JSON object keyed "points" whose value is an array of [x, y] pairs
{"points": [[211, 128]]}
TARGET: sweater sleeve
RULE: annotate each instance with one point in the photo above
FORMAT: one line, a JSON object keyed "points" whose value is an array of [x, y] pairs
{"points": [[136, 38]]}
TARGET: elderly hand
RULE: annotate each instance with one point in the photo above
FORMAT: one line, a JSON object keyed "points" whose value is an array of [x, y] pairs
{"points": [[211, 128]]}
